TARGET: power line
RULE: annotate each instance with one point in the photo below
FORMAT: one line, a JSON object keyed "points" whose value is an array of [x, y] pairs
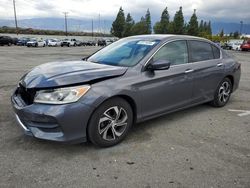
{"points": [[66, 24], [14, 5]]}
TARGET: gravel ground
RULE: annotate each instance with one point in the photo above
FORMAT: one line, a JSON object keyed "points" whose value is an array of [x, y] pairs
{"points": [[198, 147]]}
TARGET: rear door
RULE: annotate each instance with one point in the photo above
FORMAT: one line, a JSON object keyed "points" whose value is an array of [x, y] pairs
{"points": [[208, 69]]}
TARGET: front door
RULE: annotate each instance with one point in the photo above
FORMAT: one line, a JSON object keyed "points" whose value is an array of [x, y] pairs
{"points": [[166, 90]]}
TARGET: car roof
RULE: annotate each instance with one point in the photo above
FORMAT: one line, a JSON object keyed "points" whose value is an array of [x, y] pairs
{"points": [[166, 37]]}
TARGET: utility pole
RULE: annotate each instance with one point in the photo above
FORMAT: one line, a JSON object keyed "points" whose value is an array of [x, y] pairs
{"points": [[14, 5], [92, 28], [99, 24], [66, 24], [241, 24]]}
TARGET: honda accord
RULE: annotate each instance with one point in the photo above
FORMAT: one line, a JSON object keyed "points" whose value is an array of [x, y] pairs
{"points": [[132, 80]]}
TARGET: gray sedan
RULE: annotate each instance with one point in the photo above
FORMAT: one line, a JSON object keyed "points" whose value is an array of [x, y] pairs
{"points": [[132, 80]]}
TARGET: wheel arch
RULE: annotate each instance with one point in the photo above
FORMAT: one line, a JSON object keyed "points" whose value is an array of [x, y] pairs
{"points": [[231, 78], [132, 103]]}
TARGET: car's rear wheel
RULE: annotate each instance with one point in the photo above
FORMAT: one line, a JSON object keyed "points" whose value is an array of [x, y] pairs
{"points": [[110, 123], [223, 93]]}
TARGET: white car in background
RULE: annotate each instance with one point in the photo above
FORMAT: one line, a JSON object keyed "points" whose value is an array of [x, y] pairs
{"points": [[236, 46], [68, 42], [36, 43], [54, 42]]}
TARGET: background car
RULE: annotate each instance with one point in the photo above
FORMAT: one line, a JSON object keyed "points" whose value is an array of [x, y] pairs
{"points": [[101, 42], [89, 43], [226, 46], [68, 42], [245, 45], [6, 40], [236, 46], [54, 42], [79, 43], [36, 43], [23, 41], [15, 40]]}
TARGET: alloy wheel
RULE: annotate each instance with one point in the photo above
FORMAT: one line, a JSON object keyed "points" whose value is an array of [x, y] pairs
{"points": [[113, 123], [224, 92]]}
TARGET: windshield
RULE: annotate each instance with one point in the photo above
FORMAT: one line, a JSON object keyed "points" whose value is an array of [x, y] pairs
{"points": [[125, 52]]}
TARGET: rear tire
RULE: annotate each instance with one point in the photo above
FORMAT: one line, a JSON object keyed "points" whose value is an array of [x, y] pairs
{"points": [[222, 93], [110, 123]]}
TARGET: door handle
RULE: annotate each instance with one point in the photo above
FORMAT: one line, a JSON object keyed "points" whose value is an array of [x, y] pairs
{"points": [[189, 71], [219, 64]]}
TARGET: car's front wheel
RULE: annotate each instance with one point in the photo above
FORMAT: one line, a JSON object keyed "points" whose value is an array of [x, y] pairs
{"points": [[223, 93], [110, 123]]}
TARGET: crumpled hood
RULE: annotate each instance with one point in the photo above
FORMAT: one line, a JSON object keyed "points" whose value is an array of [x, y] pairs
{"points": [[58, 74]]}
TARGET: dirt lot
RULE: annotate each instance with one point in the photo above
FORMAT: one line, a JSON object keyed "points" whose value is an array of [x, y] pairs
{"points": [[198, 147]]}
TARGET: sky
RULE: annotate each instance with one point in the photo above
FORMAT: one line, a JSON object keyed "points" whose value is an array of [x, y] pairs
{"points": [[214, 10]]}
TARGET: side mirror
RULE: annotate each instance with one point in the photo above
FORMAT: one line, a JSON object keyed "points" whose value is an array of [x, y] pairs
{"points": [[159, 65]]}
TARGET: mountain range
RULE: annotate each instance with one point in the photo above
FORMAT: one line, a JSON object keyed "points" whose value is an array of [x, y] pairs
{"points": [[102, 25]]}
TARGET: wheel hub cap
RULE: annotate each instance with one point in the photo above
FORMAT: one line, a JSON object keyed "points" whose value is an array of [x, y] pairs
{"points": [[113, 123], [224, 92]]}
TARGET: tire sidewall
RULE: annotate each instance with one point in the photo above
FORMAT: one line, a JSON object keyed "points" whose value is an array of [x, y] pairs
{"points": [[93, 134]]}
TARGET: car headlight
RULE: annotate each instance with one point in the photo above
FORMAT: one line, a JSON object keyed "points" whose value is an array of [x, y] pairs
{"points": [[61, 95]]}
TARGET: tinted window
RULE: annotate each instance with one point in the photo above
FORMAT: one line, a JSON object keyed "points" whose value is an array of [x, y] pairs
{"points": [[200, 51], [216, 52], [174, 52]]}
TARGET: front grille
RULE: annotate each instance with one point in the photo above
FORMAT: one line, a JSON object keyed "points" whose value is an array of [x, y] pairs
{"points": [[27, 95]]}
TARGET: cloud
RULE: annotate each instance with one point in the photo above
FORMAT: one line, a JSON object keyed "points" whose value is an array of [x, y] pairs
{"points": [[223, 10]]}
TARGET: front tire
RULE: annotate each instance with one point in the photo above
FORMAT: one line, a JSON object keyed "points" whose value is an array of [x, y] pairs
{"points": [[110, 123], [223, 93]]}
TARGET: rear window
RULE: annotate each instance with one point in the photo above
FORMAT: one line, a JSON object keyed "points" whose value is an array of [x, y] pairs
{"points": [[200, 51]]}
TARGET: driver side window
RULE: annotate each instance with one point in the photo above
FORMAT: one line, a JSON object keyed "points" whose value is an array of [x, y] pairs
{"points": [[175, 52]]}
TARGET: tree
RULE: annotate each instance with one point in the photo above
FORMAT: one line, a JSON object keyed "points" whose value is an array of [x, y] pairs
{"points": [[162, 26], [205, 27], [148, 22], [140, 27], [236, 34], [201, 26], [209, 29], [192, 28], [222, 33], [118, 25], [129, 23], [171, 28], [157, 28], [178, 22]]}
